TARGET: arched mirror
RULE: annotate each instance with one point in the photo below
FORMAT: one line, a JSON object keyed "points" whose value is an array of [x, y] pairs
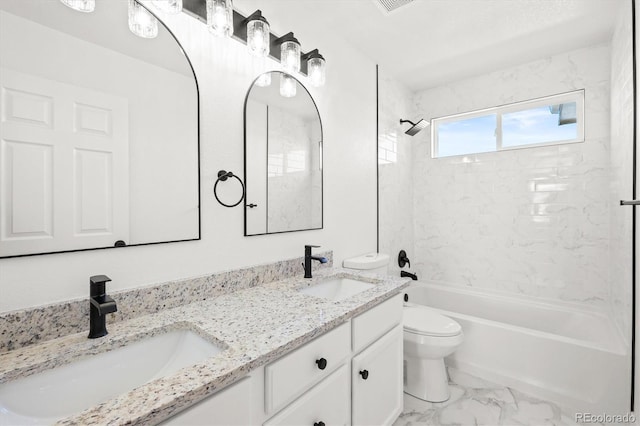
{"points": [[283, 157], [99, 132]]}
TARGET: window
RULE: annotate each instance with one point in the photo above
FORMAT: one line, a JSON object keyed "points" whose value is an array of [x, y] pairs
{"points": [[544, 121]]}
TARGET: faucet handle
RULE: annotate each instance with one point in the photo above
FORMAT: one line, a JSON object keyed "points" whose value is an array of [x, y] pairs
{"points": [[97, 285], [99, 279], [310, 246]]}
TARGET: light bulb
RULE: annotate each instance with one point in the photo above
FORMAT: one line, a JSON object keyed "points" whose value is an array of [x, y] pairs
{"points": [[258, 38], [290, 56], [80, 5], [220, 17], [141, 22], [316, 70], [287, 86]]}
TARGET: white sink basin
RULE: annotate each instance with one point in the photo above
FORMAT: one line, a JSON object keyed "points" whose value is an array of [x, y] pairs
{"points": [[336, 288], [44, 398]]}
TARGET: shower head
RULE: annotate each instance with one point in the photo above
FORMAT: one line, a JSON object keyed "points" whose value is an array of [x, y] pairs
{"points": [[415, 127]]}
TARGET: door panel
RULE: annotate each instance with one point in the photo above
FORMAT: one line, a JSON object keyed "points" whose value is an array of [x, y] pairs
{"points": [[73, 139]]}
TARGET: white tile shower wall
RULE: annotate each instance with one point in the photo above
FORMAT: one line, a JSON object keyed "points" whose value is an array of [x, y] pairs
{"points": [[225, 72], [620, 256], [290, 195], [395, 170], [530, 221]]}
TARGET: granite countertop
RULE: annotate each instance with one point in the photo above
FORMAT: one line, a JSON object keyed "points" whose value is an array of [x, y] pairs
{"points": [[255, 326]]}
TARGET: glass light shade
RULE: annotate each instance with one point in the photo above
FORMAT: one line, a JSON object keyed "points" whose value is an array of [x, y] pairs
{"points": [[290, 56], [287, 86], [258, 37], [81, 5], [141, 22], [316, 70], [171, 7], [264, 80], [220, 17]]}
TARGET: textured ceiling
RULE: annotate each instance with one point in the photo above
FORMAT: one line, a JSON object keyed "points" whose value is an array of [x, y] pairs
{"points": [[426, 43]]}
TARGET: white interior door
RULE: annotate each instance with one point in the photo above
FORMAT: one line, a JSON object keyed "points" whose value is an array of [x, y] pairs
{"points": [[64, 166]]}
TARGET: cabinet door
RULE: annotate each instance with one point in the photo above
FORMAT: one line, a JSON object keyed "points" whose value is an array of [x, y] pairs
{"points": [[377, 381], [326, 403]]}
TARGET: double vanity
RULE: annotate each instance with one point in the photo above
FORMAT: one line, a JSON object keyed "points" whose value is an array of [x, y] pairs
{"points": [[325, 350]]}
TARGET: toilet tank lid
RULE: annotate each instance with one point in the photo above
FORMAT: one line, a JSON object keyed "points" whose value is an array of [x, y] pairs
{"points": [[367, 261]]}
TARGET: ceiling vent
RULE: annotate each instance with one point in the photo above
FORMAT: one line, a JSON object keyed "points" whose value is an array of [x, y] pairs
{"points": [[391, 5]]}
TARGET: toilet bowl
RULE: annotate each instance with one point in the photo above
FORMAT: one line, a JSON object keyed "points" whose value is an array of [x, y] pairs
{"points": [[428, 338]]}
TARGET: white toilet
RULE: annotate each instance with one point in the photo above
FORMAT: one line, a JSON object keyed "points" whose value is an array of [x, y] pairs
{"points": [[428, 338]]}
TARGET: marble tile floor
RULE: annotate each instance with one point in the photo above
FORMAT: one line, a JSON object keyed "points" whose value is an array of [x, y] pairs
{"points": [[477, 402]]}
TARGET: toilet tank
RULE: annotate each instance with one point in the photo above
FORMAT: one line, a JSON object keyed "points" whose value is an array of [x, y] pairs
{"points": [[376, 263]]}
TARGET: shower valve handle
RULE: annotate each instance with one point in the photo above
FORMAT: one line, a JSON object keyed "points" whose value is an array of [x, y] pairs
{"points": [[403, 259]]}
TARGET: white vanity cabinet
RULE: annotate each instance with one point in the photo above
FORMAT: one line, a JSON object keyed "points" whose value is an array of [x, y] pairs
{"points": [[288, 377], [326, 403], [351, 374], [229, 407], [376, 375]]}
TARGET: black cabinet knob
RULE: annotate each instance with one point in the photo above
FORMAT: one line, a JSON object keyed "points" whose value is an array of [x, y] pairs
{"points": [[318, 424], [322, 364], [364, 374]]}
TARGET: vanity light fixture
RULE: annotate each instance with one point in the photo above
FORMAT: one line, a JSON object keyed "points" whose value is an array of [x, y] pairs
{"points": [[172, 7], [254, 31], [81, 5], [287, 86], [258, 35], [289, 53], [220, 17], [316, 68], [141, 22]]}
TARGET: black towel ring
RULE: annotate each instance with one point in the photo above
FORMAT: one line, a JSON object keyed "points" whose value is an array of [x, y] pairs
{"points": [[223, 176]]}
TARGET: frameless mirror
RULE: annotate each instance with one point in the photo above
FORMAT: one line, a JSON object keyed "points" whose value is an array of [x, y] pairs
{"points": [[283, 157], [99, 132]]}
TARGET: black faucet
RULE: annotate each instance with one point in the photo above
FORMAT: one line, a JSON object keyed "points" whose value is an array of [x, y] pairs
{"points": [[308, 258], [100, 305], [405, 274]]}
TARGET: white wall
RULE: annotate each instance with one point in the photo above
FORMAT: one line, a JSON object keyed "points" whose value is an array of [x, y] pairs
{"points": [[531, 221], [290, 193], [225, 71]]}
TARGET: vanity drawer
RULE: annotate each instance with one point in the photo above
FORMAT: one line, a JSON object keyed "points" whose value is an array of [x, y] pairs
{"points": [[374, 323], [328, 402], [292, 374]]}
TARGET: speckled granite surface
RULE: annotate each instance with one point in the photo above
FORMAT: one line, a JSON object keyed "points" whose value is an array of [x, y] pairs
{"points": [[257, 325], [34, 325]]}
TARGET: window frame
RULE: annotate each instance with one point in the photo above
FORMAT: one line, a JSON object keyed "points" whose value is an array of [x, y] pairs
{"points": [[576, 96]]}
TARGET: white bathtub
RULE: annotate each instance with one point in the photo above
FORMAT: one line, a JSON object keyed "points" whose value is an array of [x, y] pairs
{"points": [[569, 356]]}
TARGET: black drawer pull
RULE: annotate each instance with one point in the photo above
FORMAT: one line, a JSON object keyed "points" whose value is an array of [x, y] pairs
{"points": [[364, 374], [318, 424], [322, 364]]}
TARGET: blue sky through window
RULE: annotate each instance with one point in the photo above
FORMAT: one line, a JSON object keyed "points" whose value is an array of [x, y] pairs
{"points": [[535, 126], [472, 135], [545, 123]]}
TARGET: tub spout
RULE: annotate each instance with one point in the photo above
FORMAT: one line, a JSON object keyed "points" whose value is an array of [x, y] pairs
{"points": [[405, 274]]}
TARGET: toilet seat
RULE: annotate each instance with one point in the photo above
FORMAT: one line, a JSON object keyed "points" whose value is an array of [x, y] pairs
{"points": [[424, 321]]}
